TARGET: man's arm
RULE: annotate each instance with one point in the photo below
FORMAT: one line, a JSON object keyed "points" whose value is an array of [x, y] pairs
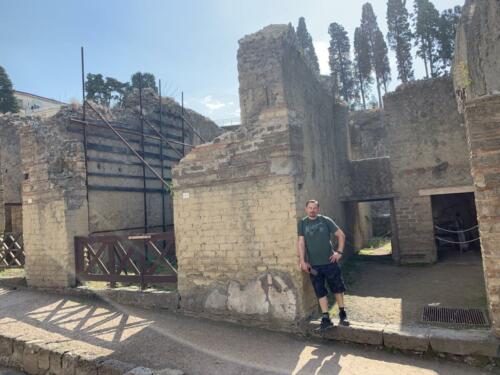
{"points": [[301, 250], [340, 250]]}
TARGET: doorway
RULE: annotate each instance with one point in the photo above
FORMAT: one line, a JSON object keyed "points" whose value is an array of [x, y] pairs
{"points": [[455, 226]]}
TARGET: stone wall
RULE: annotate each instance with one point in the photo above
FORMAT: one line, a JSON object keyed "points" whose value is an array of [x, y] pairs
{"points": [[237, 200], [476, 74], [427, 149], [422, 136], [10, 172], [61, 201], [54, 201], [367, 134]]}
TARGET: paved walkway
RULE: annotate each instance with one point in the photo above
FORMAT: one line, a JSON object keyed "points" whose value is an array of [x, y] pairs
{"points": [[159, 339]]}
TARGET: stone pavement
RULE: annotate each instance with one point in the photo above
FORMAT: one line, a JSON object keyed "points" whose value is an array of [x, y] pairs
{"points": [[43, 323]]}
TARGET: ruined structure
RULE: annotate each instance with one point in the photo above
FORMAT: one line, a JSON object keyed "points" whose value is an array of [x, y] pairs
{"points": [[420, 138], [76, 182], [237, 199], [476, 75]]}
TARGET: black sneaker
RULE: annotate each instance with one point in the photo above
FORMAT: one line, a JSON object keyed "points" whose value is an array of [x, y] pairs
{"points": [[325, 323], [343, 318]]}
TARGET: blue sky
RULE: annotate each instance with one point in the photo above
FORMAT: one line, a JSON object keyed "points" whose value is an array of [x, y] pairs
{"points": [[191, 45]]}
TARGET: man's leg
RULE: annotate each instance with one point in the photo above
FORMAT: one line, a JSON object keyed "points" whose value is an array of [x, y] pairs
{"points": [[323, 304], [339, 298], [318, 283]]}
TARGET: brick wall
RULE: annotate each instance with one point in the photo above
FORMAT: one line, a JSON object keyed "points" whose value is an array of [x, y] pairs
{"points": [[483, 121], [54, 201], [237, 200], [10, 166]]}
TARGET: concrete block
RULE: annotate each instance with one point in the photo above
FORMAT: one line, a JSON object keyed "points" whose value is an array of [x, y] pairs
{"points": [[43, 360], [17, 353], [169, 371], [55, 362], [466, 342], [86, 366], [69, 362], [371, 334], [113, 367], [6, 346], [140, 371], [30, 359], [406, 338]]}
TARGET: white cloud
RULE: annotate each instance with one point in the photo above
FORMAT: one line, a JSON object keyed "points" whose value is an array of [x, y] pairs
{"points": [[212, 104], [321, 48]]}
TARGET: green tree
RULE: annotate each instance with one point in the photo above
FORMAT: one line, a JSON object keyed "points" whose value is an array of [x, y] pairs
{"points": [[148, 80], [306, 44], [381, 59], [340, 60], [8, 102], [369, 27], [426, 23], [363, 68], [399, 37], [105, 91], [116, 91], [446, 36], [96, 89]]}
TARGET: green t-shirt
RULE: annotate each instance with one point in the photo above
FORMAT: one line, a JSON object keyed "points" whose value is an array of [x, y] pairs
{"points": [[317, 238]]}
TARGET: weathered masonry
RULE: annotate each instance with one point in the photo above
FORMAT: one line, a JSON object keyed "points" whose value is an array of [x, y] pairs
{"points": [[238, 198], [78, 178], [476, 75], [413, 153]]}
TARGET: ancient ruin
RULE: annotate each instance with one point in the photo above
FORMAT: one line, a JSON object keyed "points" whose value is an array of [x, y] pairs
{"points": [[237, 195]]}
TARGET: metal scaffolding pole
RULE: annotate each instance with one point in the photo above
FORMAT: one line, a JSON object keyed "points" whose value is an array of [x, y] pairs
{"points": [[163, 219], [143, 155]]}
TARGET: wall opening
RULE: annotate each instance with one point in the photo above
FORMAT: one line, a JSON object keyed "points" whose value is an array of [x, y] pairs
{"points": [[455, 226], [370, 228], [13, 218]]}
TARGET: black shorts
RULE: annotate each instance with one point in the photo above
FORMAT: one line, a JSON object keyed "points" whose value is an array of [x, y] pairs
{"points": [[332, 275]]}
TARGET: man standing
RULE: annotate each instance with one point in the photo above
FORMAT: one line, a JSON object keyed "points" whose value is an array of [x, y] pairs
{"points": [[322, 262]]}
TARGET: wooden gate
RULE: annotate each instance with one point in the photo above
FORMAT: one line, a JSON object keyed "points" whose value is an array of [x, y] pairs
{"points": [[11, 250], [132, 259]]}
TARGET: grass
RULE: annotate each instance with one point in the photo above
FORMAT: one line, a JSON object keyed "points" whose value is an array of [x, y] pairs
{"points": [[377, 246], [12, 272]]}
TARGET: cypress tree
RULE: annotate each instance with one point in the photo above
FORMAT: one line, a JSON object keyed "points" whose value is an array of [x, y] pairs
{"points": [[399, 37], [426, 23], [362, 63], [340, 60], [381, 59], [446, 36], [306, 44], [8, 102], [369, 27]]}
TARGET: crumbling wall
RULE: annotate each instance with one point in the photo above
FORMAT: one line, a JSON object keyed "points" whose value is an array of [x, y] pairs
{"points": [[427, 149], [10, 173], [476, 74], [367, 134], [54, 200], [238, 198]]}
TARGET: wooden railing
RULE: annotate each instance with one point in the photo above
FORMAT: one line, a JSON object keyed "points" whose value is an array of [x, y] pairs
{"points": [[11, 250], [142, 259]]}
